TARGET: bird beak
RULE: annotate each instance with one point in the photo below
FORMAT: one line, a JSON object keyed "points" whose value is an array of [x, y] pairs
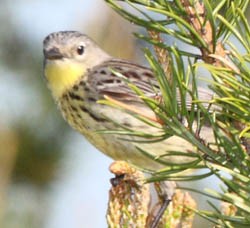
{"points": [[53, 54]]}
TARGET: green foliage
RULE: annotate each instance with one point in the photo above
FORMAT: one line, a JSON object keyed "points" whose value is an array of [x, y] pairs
{"points": [[218, 37]]}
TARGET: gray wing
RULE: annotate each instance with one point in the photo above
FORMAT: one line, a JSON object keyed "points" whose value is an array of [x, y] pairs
{"points": [[104, 82]]}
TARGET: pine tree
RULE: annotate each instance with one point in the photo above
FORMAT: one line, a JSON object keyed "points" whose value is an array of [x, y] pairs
{"points": [[212, 36]]}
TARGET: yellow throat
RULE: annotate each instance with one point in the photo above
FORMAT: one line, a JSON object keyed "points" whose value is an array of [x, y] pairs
{"points": [[62, 75]]}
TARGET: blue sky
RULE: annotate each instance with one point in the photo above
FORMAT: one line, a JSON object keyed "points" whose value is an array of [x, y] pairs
{"points": [[39, 18]]}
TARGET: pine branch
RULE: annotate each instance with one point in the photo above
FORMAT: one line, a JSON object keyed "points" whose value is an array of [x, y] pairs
{"points": [[214, 30]]}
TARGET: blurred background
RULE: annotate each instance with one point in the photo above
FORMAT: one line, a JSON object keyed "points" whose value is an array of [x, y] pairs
{"points": [[49, 175]]}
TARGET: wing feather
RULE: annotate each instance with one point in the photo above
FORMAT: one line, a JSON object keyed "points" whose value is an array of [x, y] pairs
{"points": [[104, 82]]}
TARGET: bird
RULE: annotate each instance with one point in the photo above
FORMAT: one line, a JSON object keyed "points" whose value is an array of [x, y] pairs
{"points": [[80, 74]]}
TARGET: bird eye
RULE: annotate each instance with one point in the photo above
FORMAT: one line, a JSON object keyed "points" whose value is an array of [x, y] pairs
{"points": [[80, 50]]}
